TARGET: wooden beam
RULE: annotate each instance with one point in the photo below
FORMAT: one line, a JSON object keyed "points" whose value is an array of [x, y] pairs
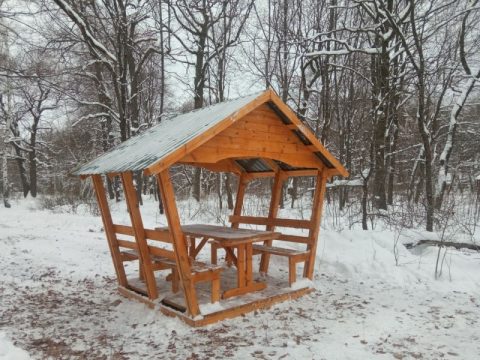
{"points": [[181, 254], [109, 230], [316, 220], [285, 174], [206, 154], [273, 165], [272, 214], [139, 233]]}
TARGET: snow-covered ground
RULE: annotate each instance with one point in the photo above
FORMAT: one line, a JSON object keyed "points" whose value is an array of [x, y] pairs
{"points": [[58, 299]]}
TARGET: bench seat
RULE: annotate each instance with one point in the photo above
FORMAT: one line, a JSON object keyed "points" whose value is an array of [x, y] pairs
{"points": [[274, 250]]}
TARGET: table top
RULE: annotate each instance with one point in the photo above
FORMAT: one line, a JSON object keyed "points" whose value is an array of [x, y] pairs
{"points": [[228, 235]]}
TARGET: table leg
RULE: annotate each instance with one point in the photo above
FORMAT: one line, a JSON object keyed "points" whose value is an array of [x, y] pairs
{"points": [[245, 283], [249, 266], [191, 251], [241, 266]]}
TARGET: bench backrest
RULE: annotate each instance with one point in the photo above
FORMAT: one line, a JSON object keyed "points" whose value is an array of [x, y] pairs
{"points": [[157, 235], [286, 223]]}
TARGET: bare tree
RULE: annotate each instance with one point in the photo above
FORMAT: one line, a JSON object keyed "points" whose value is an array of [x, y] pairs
{"points": [[193, 30]]}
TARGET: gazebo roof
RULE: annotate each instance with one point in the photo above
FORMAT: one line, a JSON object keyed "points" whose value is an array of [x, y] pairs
{"points": [[166, 143]]}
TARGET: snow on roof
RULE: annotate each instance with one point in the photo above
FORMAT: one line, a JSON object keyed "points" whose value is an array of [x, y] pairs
{"points": [[144, 150]]}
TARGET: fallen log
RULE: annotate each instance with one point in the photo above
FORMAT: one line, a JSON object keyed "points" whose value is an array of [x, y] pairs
{"points": [[456, 245]]}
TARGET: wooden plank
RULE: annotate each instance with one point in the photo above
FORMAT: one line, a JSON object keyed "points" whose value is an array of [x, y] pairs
{"points": [[109, 229], [139, 232], [230, 313], [303, 159], [156, 251], [316, 219], [123, 229], [258, 126], [272, 214], [255, 286], [158, 235], [223, 233], [279, 250], [129, 294], [284, 136], [127, 244], [181, 255], [232, 143], [178, 154], [295, 238], [258, 220]]}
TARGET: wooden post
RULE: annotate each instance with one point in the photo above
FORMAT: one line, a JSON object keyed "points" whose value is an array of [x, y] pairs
{"points": [[179, 246], [139, 233], [316, 218], [242, 186], [272, 214], [109, 231]]}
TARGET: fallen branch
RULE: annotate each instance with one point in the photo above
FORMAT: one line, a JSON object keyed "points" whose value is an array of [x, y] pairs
{"points": [[456, 245]]}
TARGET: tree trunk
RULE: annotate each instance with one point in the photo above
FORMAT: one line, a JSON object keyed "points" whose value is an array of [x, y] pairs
{"points": [[228, 188]]}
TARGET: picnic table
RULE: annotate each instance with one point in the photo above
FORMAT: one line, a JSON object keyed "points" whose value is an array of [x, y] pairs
{"points": [[231, 238]]}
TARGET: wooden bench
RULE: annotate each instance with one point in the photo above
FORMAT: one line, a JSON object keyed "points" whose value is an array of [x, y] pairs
{"points": [[200, 272], [294, 256]]}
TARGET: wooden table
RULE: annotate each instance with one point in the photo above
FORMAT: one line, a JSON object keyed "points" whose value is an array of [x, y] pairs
{"points": [[231, 238]]}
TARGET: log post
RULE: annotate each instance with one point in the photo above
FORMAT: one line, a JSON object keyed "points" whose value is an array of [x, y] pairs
{"points": [[315, 219], [109, 231], [181, 254], [139, 233]]}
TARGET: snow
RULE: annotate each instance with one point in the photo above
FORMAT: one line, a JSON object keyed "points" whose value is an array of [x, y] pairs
{"points": [[59, 299], [8, 351], [303, 283]]}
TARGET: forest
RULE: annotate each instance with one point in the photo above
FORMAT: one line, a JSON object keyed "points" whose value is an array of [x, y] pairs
{"points": [[388, 86]]}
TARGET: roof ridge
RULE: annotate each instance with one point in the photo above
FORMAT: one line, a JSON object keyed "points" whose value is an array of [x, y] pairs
{"points": [[218, 103]]}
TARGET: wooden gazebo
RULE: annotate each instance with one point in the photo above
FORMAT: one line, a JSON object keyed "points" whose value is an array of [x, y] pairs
{"points": [[255, 136]]}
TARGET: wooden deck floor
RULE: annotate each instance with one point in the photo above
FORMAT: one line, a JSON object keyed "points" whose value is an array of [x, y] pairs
{"points": [[171, 304]]}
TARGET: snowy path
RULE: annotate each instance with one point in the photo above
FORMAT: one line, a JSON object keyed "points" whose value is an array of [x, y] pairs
{"points": [[57, 300]]}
